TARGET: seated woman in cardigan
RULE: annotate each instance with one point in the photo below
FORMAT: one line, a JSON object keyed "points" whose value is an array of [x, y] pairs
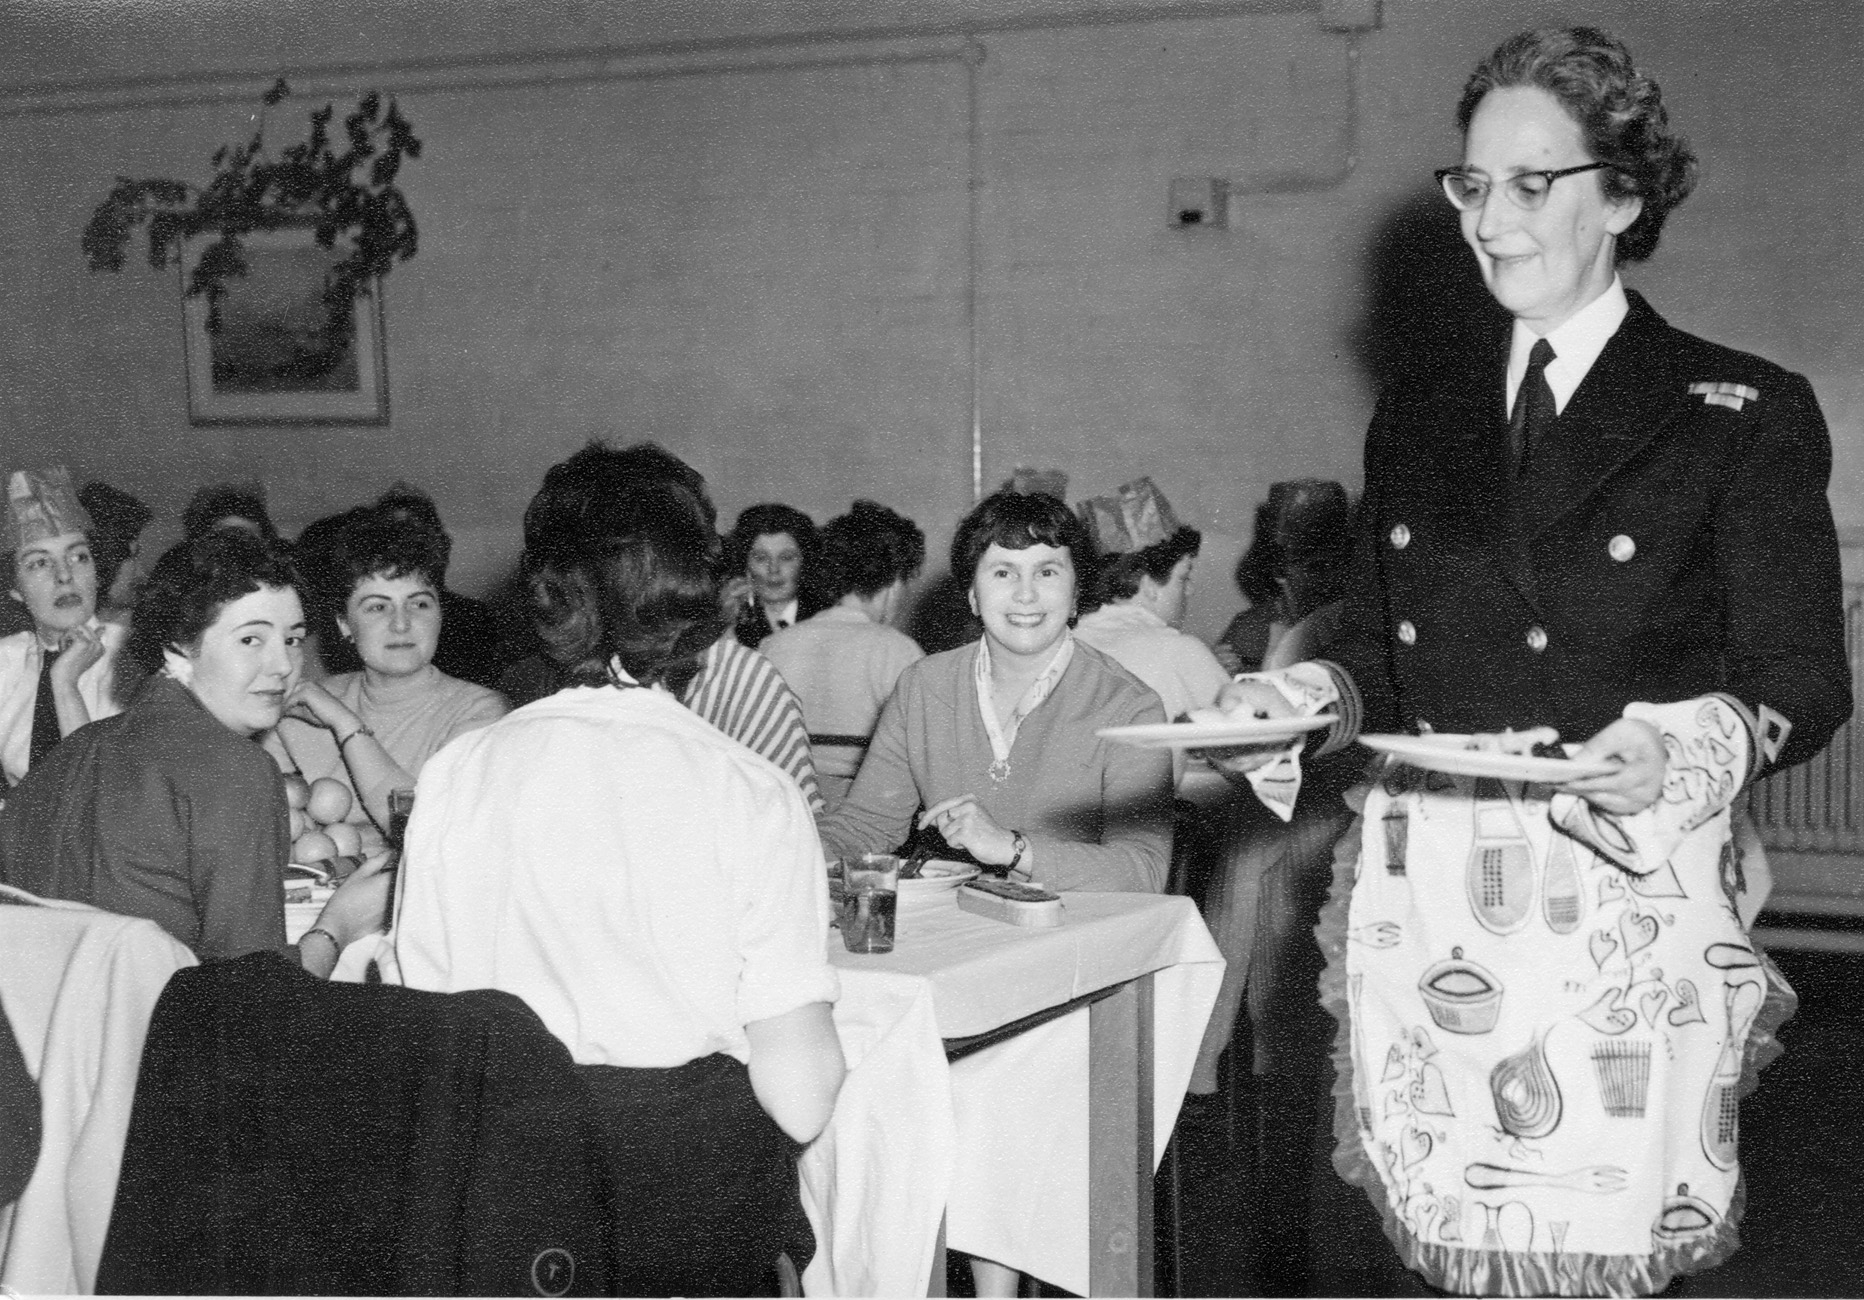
{"points": [[993, 746]]}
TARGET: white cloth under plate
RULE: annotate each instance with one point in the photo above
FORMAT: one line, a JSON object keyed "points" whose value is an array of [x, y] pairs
{"points": [[1002, 1133]]}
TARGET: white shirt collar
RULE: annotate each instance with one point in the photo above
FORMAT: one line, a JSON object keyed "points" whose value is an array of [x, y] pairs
{"points": [[1576, 345], [784, 617]]}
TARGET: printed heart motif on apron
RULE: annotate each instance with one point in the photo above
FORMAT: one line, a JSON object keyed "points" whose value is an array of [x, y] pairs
{"points": [[1608, 1014], [1688, 1008], [1639, 932], [1416, 1146], [1603, 946], [1652, 1003], [1429, 1093]]}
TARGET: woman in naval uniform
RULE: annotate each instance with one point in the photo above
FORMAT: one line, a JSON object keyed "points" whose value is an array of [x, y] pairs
{"points": [[1601, 525]]}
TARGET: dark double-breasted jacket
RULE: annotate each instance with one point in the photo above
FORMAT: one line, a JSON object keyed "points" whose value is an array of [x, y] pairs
{"points": [[1671, 538]]}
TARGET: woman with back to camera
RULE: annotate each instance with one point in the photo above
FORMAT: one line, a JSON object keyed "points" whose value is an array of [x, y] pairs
{"points": [[1599, 525], [844, 662], [170, 811], [652, 889], [774, 547]]}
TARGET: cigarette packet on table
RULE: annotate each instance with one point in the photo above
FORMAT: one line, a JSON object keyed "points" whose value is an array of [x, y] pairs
{"points": [[1011, 902]]}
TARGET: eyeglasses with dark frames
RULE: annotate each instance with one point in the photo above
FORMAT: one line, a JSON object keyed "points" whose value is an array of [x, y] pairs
{"points": [[1526, 190]]}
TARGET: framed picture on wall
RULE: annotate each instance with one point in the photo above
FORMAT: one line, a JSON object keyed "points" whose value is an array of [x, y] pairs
{"points": [[273, 359]]}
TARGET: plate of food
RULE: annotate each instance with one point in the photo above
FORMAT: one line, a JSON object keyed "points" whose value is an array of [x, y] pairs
{"points": [[934, 876], [1215, 732], [1506, 756]]}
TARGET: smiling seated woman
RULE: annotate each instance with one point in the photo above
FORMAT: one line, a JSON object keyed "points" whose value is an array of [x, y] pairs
{"points": [[992, 745], [375, 729], [169, 811]]}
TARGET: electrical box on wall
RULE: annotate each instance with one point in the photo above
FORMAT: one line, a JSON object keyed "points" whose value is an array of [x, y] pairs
{"points": [[1199, 202]]}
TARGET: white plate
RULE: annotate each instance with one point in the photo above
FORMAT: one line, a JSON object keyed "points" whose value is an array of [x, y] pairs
{"points": [[1212, 735], [1443, 752], [937, 876]]}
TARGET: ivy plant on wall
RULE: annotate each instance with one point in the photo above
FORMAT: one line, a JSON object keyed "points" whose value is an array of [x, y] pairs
{"points": [[349, 199]]}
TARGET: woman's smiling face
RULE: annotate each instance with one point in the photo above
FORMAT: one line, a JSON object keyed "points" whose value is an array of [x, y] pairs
{"points": [[247, 660], [1024, 597]]}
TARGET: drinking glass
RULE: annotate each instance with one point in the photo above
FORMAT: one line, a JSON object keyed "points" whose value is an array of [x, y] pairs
{"points": [[869, 903]]}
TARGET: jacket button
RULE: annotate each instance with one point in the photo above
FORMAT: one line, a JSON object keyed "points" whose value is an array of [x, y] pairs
{"points": [[1537, 638], [1622, 548], [1401, 537], [1407, 632]]}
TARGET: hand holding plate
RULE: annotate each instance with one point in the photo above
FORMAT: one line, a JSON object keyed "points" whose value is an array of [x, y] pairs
{"points": [[1637, 747]]}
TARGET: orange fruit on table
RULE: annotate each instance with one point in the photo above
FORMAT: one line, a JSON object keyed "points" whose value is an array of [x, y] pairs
{"points": [[297, 790], [313, 847], [347, 837], [330, 801]]}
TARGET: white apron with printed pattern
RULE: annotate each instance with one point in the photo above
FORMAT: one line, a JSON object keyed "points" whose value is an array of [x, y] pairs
{"points": [[1547, 1047]]}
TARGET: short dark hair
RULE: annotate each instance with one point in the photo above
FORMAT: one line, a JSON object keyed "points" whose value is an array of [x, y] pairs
{"points": [[574, 491], [406, 503], [217, 501], [1618, 108], [869, 549], [1117, 576], [762, 521], [1016, 521], [117, 520], [636, 586], [373, 540], [194, 581]]}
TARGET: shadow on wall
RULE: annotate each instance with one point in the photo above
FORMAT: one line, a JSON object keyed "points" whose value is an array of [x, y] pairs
{"points": [[1425, 300]]}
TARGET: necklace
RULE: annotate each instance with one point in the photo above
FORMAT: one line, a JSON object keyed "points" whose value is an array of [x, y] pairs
{"points": [[1000, 770]]}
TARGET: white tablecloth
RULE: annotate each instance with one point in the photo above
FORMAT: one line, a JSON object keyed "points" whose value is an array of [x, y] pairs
{"points": [[998, 1140]]}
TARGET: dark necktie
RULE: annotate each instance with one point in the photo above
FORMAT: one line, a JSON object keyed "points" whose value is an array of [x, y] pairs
{"points": [[44, 714], [1534, 411]]}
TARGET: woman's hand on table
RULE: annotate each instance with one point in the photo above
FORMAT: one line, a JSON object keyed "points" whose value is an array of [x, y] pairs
{"points": [[965, 825], [359, 903], [1637, 747], [1244, 701]]}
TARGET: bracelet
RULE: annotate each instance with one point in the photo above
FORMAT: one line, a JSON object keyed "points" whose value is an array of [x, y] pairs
{"points": [[335, 942], [362, 729]]}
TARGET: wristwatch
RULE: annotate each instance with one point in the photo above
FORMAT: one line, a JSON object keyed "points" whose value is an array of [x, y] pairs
{"points": [[1020, 843]]}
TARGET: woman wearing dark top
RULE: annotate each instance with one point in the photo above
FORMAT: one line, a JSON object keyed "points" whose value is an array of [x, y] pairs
{"points": [[1595, 524], [169, 810], [775, 548]]}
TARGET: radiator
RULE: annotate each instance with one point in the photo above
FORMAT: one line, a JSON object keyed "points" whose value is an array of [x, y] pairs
{"points": [[1818, 807]]}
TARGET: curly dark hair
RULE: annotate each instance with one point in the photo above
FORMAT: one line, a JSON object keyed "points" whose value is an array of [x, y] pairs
{"points": [[1619, 110], [762, 521], [1016, 521], [869, 549], [636, 585], [574, 489], [1117, 576], [194, 581], [373, 540], [217, 501]]}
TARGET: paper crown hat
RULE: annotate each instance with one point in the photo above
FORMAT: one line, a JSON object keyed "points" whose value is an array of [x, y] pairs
{"points": [[1135, 516], [41, 503]]}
